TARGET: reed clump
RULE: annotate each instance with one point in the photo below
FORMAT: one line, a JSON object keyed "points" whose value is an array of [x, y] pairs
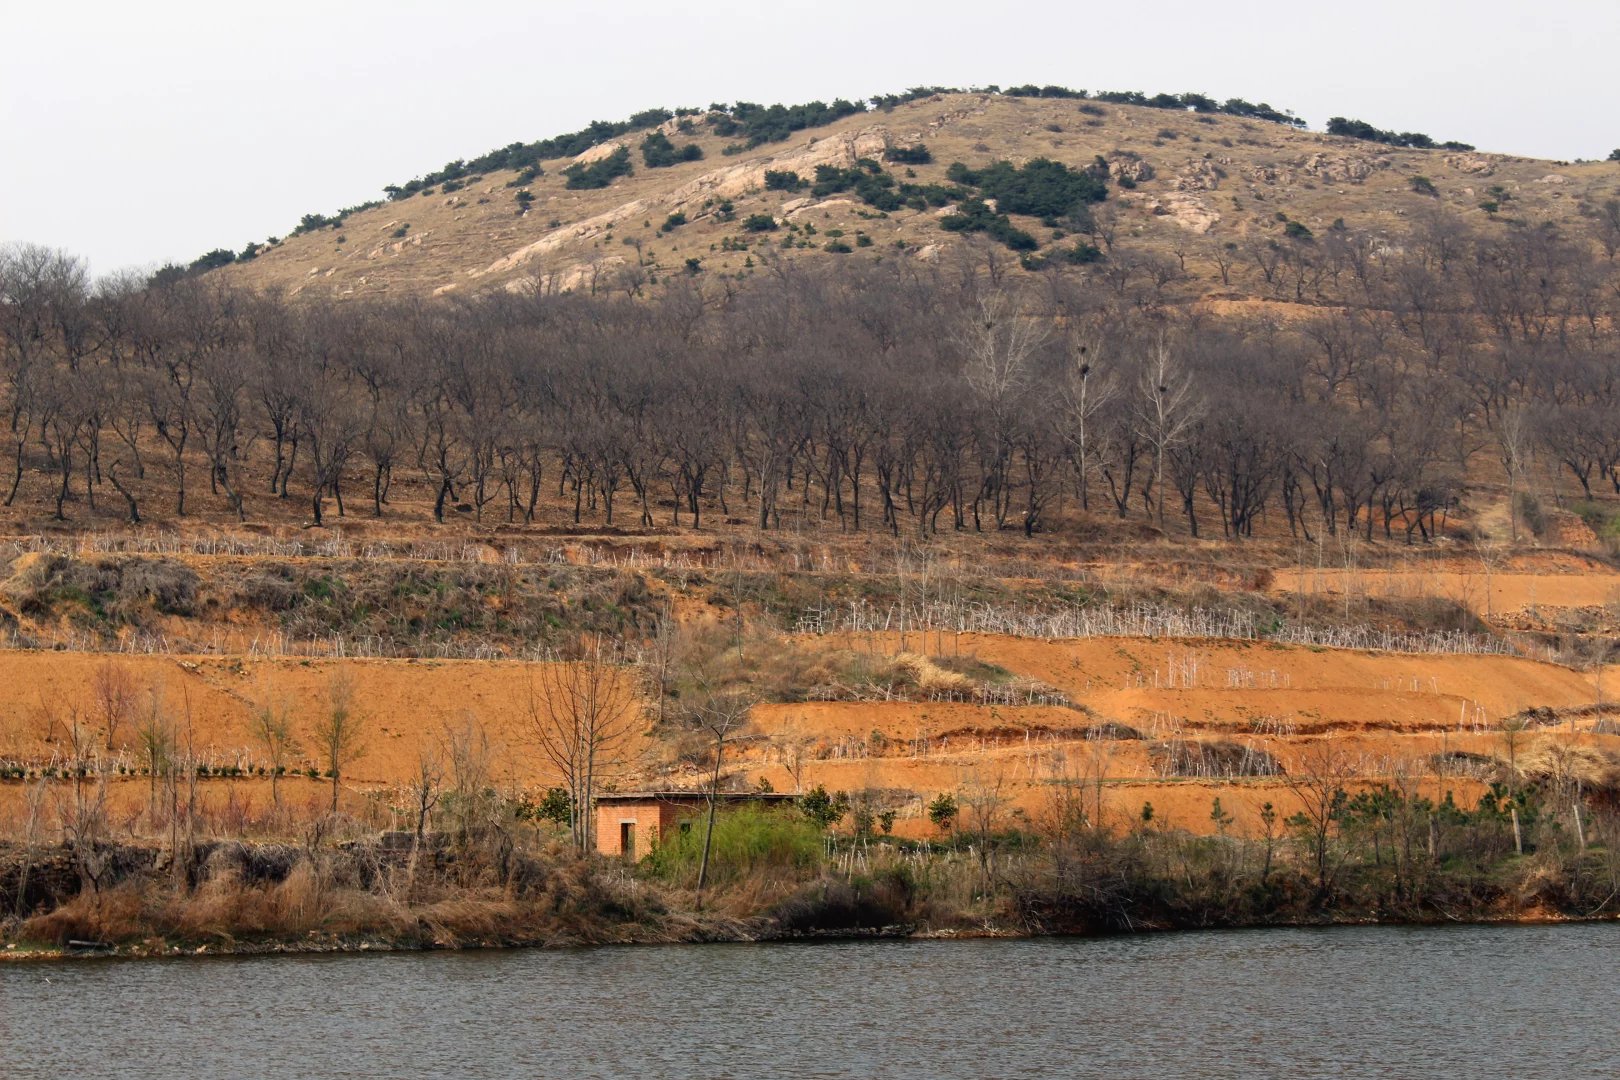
{"points": [[243, 894]]}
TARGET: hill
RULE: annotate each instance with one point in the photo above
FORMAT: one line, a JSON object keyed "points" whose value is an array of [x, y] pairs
{"points": [[1132, 475], [1181, 184]]}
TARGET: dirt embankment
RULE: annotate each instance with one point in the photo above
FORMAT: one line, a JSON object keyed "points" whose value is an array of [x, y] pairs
{"points": [[1503, 590], [404, 705], [1134, 700], [1133, 707]]}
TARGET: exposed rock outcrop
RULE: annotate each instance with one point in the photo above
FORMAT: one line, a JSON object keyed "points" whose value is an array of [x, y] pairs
{"points": [[1326, 168], [1185, 209], [599, 151], [1202, 175], [724, 183], [1343, 168], [1130, 167], [1471, 163], [838, 150]]}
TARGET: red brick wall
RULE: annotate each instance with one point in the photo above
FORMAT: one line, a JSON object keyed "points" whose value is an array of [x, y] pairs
{"points": [[654, 822], [647, 818]]}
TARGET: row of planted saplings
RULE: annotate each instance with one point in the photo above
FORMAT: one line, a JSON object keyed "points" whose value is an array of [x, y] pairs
{"points": [[89, 768]]}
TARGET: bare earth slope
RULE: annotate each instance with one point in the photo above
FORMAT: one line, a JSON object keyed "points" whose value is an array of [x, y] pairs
{"points": [[1131, 700]]}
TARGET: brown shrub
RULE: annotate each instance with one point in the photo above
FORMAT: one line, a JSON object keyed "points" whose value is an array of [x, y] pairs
{"points": [[1218, 758], [112, 915], [1110, 731], [1463, 763]]}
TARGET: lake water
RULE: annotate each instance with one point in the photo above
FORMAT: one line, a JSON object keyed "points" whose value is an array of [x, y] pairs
{"points": [[1456, 1002]]}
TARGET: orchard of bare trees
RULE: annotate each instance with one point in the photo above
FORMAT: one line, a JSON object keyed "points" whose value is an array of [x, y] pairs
{"points": [[886, 394]]}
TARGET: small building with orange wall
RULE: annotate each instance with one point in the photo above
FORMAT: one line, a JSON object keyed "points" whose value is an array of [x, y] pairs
{"points": [[630, 824]]}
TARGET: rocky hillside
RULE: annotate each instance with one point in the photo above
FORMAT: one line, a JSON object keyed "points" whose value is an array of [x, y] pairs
{"points": [[1180, 187]]}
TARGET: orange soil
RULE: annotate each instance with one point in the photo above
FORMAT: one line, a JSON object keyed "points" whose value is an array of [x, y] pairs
{"points": [[1382, 711], [1119, 673], [1482, 591], [404, 706]]}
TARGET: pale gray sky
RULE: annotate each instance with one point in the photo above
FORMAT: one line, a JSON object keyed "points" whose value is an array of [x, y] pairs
{"points": [[134, 133]]}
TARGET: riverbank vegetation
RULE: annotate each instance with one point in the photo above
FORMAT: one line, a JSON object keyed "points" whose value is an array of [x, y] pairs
{"points": [[1540, 843]]}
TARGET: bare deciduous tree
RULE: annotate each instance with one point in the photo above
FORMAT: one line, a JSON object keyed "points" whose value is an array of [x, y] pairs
{"points": [[814, 394], [338, 731], [113, 689], [1167, 406], [158, 741], [1089, 389], [426, 787], [271, 725], [720, 712], [1318, 782], [581, 716]]}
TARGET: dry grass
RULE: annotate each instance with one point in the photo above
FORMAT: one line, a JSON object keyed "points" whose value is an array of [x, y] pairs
{"points": [[346, 894], [1219, 758], [341, 605], [471, 229], [794, 669], [1110, 731], [223, 907], [1463, 763], [1555, 761], [930, 678]]}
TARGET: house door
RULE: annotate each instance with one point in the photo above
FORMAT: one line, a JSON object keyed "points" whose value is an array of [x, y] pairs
{"points": [[627, 840]]}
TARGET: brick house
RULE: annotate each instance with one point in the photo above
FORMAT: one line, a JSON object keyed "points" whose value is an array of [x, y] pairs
{"points": [[630, 824]]}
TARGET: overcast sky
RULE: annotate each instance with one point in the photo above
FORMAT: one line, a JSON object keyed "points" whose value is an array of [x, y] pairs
{"points": [[135, 133]]}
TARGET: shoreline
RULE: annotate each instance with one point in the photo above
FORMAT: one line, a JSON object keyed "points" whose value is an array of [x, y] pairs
{"points": [[14, 952]]}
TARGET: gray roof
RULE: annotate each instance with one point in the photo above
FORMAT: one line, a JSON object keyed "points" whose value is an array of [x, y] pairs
{"points": [[692, 796]]}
